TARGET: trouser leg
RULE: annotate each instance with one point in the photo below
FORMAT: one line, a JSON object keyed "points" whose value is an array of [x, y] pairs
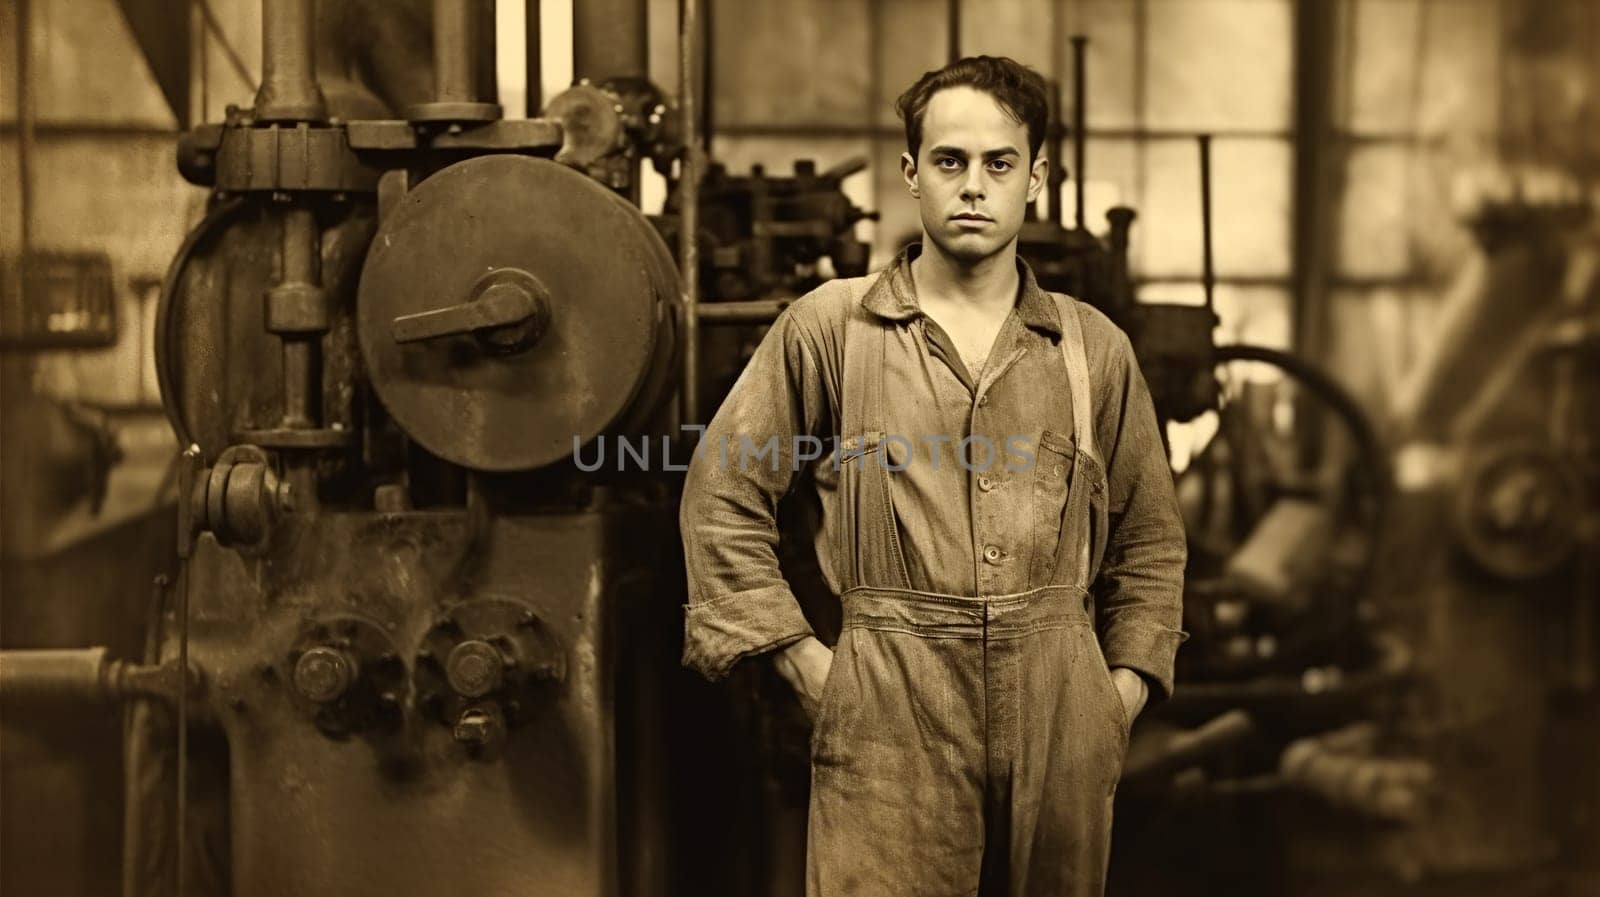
{"points": [[897, 769], [1070, 738]]}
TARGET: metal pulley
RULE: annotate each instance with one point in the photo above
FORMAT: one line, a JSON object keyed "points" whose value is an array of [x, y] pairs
{"points": [[510, 305], [1518, 510]]}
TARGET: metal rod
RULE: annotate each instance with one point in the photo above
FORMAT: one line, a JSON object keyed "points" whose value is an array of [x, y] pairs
{"points": [[76, 675], [756, 311], [301, 254], [708, 73], [610, 39], [183, 726], [455, 34], [1208, 276], [534, 59], [689, 210], [1058, 125], [1080, 116], [1058, 168], [289, 90], [25, 126]]}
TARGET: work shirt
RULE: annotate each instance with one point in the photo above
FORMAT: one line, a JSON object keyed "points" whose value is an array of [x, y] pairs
{"points": [[979, 473]]}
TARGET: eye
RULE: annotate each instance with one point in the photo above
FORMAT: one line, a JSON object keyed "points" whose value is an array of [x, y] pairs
{"points": [[947, 163], [1000, 166]]}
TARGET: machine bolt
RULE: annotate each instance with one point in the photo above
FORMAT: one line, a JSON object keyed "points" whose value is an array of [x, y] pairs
{"points": [[474, 669], [324, 674], [478, 728]]}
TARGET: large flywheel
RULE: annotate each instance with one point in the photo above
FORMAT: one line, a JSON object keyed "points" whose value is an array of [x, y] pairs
{"points": [[510, 304]]}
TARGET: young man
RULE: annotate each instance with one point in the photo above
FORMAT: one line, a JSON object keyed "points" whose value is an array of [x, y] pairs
{"points": [[998, 520]]}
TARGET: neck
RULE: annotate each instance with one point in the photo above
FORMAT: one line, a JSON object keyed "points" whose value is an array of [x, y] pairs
{"points": [[988, 281]]}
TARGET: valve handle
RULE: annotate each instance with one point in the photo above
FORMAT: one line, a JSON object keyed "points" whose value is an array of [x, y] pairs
{"points": [[508, 310]]}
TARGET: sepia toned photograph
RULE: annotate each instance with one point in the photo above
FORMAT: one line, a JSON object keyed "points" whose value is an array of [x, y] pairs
{"points": [[800, 448]]}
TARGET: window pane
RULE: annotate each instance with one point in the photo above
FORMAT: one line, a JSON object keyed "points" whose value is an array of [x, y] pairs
{"points": [[86, 67], [1461, 69], [801, 61], [1373, 219], [1020, 29], [1110, 64], [1219, 64], [1250, 208], [912, 42], [1112, 167], [1386, 64]]}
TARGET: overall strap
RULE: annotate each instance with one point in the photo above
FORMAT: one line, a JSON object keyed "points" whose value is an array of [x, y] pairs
{"points": [[1078, 522], [869, 542], [1082, 387]]}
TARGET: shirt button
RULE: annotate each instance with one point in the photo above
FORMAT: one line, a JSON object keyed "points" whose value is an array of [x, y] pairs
{"points": [[992, 554], [986, 483], [983, 400]]}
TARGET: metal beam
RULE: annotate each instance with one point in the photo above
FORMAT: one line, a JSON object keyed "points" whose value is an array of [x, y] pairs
{"points": [[161, 29]]}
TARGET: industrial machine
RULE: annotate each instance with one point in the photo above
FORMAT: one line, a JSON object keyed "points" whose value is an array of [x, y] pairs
{"points": [[409, 644], [409, 647]]}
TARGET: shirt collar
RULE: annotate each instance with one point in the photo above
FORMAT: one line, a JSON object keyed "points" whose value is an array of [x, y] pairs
{"points": [[894, 296]]}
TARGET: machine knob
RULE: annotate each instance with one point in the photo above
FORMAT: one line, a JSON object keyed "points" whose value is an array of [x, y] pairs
{"points": [[324, 674], [509, 310], [474, 668]]}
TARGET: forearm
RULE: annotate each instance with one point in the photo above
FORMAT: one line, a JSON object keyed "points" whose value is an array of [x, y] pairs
{"points": [[1140, 582], [739, 603]]}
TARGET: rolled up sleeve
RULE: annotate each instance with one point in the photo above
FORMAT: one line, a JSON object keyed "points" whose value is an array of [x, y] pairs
{"points": [[739, 603], [1140, 583]]}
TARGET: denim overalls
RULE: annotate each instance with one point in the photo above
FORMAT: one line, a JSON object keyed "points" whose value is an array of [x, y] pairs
{"points": [[965, 744]]}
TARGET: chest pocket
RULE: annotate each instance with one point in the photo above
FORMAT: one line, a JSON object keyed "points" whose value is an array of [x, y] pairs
{"points": [[1052, 471], [867, 538]]}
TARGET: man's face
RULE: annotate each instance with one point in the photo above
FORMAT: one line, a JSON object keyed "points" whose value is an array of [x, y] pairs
{"points": [[972, 176]]}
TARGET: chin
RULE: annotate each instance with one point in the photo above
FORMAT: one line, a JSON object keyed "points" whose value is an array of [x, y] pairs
{"points": [[969, 247]]}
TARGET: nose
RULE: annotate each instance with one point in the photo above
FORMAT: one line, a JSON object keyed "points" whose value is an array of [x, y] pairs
{"points": [[972, 186]]}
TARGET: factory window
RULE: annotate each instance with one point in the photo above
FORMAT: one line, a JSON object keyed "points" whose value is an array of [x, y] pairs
{"points": [[818, 78], [1417, 114]]}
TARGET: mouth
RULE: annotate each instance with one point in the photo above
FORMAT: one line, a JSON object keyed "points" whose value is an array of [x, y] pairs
{"points": [[971, 217]]}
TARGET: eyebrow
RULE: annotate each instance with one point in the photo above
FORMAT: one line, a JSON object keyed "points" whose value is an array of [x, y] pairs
{"points": [[989, 156]]}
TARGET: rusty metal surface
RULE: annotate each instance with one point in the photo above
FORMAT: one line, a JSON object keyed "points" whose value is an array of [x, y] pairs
{"points": [[406, 809], [223, 374], [506, 412]]}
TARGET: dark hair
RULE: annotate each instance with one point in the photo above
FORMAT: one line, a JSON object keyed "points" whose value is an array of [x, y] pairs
{"points": [[1019, 90]]}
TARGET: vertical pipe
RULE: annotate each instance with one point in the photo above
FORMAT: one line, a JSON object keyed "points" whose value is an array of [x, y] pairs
{"points": [[181, 848], [301, 247], [25, 122], [1079, 117], [689, 210], [708, 72], [533, 59], [289, 90], [1058, 123], [1319, 31], [1058, 167], [610, 39], [455, 34], [300, 250], [1207, 276], [485, 52]]}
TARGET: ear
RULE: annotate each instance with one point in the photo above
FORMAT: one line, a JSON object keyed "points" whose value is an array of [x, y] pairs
{"points": [[1038, 177], [908, 170]]}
